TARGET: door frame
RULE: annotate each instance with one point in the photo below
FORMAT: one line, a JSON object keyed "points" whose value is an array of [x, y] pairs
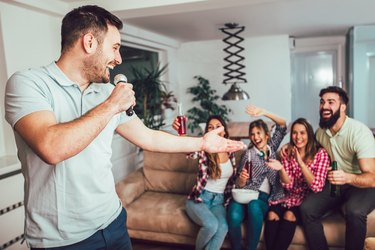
{"points": [[316, 44]]}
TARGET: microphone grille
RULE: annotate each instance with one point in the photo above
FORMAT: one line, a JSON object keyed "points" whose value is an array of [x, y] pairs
{"points": [[120, 78]]}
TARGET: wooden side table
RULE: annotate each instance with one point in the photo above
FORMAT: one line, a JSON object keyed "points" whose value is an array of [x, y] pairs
{"points": [[238, 130]]}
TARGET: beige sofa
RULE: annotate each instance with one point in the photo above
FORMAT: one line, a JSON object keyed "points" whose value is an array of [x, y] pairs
{"points": [[154, 197]]}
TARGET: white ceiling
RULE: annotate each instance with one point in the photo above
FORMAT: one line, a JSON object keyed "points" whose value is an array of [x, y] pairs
{"points": [[193, 20]]}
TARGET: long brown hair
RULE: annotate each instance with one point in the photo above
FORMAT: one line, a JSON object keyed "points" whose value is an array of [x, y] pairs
{"points": [[312, 145], [214, 170]]}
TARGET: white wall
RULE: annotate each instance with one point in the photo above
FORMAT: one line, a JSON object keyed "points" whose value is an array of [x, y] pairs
{"points": [[28, 39], [267, 61], [363, 74]]}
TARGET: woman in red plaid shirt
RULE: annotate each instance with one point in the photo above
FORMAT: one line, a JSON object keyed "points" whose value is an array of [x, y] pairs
{"points": [[206, 202], [302, 171]]}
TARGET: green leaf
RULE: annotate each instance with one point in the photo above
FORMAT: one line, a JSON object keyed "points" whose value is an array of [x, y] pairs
{"points": [[205, 99]]}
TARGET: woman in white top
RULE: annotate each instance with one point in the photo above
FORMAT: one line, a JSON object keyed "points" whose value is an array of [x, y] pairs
{"points": [[206, 202]]}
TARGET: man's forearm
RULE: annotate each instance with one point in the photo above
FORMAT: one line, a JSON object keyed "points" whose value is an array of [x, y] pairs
{"points": [[160, 141], [364, 180], [55, 142]]}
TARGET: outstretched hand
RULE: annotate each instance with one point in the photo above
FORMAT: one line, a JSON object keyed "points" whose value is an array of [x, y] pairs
{"points": [[255, 111], [213, 143]]}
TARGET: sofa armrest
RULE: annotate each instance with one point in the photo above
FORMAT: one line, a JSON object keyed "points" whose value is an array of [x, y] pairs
{"points": [[130, 188], [369, 243]]}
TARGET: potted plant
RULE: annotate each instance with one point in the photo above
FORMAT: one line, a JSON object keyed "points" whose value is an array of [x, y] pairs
{"points": [[207, 100], [168, 102], [148, 88]]}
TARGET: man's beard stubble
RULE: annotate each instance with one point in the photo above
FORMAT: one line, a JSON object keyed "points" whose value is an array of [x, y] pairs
{"points": [[94, 68], [328, 123]]}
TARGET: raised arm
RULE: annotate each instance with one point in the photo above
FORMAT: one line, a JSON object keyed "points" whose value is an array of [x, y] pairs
{"points": [[155, 140], [257, 112]]}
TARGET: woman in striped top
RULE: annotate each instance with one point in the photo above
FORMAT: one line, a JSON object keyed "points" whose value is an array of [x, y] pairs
{"points": [[304, 170], [254, 174]]}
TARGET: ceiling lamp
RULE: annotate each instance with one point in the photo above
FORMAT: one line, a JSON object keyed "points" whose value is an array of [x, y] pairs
{"points": [[234, 66]]}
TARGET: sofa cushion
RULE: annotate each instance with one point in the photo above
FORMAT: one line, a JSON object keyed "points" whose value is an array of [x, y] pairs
{"points": [[371, 224], [162, 213], [171, 173], [370, 243]]}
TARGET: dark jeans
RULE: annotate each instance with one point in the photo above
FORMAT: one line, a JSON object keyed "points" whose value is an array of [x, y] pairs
{"points": [[114, 237], [357, 204], [255, 211]]}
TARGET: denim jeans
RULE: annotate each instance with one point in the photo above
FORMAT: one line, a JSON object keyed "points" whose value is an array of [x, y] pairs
{"points": [[115, 237], [211, 216], [255, 211], [357, 204]]}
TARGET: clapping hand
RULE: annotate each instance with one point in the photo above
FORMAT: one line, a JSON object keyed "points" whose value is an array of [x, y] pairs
{"points": [[297, 156]]}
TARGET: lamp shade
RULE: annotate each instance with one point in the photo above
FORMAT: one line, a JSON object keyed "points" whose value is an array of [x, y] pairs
{"points": [[235, 93]]}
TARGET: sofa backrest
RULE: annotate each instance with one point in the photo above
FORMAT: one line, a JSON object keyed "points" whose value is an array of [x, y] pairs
{"points": [[169, 172]]}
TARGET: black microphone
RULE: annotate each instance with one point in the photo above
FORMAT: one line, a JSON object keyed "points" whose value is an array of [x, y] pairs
{"points": [[122, 78]]}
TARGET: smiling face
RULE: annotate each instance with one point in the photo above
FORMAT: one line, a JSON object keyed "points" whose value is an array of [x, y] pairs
{"points": [[300, 136], [259, 138], [330, 109], [106, 57], [214, 124]]}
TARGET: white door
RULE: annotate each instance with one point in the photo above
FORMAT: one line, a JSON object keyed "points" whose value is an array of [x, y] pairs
{"points": [[313, 67], [363, 74]]}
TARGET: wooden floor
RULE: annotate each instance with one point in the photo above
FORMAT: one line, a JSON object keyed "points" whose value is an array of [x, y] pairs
{"points": [[139, 245]]}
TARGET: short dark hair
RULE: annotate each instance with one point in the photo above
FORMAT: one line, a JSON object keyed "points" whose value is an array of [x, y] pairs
{"points": [[335, 89], [84, 19]]}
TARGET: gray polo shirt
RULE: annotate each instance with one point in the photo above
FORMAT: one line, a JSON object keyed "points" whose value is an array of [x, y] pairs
{"points": [[67, 202]]}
